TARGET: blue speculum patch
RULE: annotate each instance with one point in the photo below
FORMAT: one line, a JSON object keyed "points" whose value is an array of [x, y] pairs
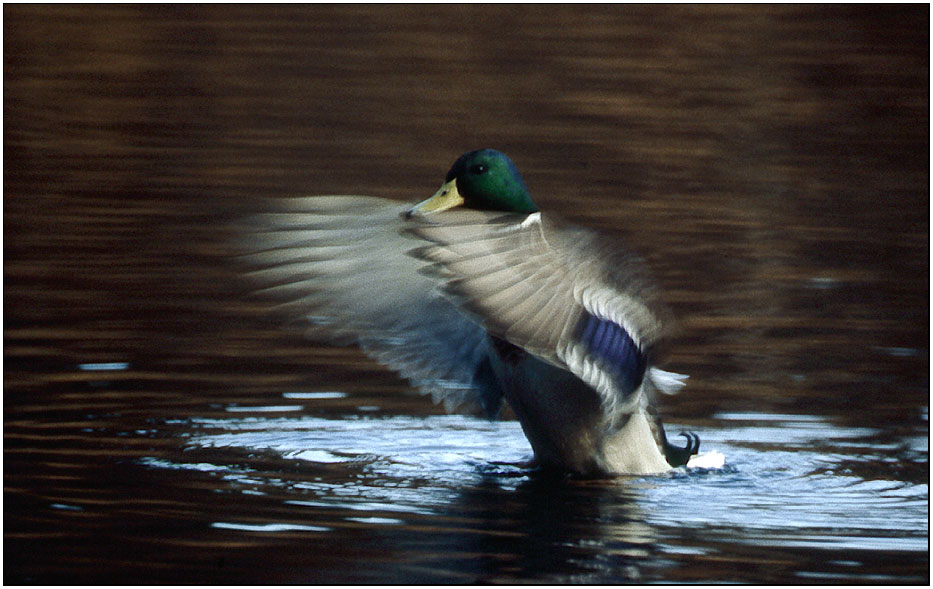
{"points": [[615, 348]]}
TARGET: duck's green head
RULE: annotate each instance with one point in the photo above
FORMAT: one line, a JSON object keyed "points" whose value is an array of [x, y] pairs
{"points": [[484, 179]]}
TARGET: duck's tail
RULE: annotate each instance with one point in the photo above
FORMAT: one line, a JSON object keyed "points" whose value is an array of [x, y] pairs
{"points": [[668, 383]]}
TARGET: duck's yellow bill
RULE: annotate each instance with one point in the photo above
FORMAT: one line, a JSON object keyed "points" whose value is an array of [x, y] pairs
{"points": [[445, 198]]}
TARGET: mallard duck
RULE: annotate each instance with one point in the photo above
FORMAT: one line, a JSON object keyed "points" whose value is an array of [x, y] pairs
{"points": [[477, 297]]}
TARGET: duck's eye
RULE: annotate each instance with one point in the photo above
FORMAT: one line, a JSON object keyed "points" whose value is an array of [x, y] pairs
{"points": [[478, 169]]}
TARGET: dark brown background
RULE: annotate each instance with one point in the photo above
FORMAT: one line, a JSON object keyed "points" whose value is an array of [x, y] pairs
{"points": [[771, 162]]}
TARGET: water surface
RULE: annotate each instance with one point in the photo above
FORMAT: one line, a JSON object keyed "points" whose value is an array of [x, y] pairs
{"points": [[338, 489]]}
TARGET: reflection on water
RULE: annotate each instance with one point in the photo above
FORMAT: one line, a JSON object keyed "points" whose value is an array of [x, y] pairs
{"points": [[771, 163], [377, 497], [329, 486], [785, 485]]}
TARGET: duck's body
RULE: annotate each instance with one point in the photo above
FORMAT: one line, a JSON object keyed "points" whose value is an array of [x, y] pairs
{"points": [[566, 424], [475, 296]]}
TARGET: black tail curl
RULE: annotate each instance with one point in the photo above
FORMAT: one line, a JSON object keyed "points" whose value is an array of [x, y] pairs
{"points": [[677, 456]]}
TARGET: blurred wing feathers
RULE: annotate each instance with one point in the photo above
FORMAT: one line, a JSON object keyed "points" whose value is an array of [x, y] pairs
{"points": [[560, 292], [340, 262]]}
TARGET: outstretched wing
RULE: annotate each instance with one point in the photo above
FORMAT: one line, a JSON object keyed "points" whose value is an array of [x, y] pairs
{"points": [[565, 294], [340, 262]]}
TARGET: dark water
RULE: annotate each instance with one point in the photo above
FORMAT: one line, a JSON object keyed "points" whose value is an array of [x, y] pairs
{"points": [[771, 163]]}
